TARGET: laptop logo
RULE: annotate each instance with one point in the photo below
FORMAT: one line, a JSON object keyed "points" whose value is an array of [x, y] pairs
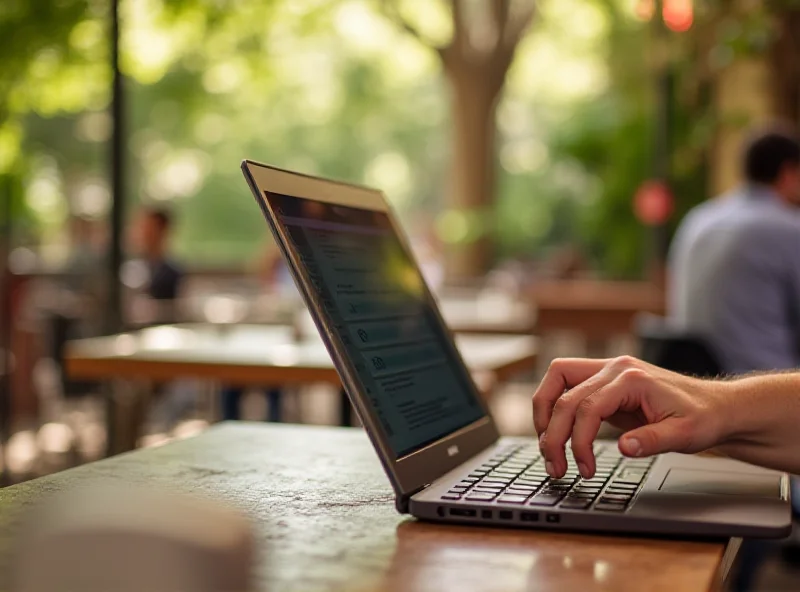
{"points": [[452, 451]]}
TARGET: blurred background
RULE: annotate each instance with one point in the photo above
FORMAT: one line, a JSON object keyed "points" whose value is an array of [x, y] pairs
{"points": [[539, 154]]}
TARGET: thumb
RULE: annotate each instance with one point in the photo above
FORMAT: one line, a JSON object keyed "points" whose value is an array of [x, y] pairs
{"points": [[668, 435]]}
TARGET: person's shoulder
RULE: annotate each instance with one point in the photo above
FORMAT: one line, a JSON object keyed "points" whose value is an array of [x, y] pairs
{"points": [[706, 212]]}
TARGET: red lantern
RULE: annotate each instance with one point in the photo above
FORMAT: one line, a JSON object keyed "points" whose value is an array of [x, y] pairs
{"points": [[653, 203], [678, 15]]}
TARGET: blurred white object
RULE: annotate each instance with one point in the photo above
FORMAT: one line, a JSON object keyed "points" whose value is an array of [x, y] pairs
{"points": [[133, 539]]}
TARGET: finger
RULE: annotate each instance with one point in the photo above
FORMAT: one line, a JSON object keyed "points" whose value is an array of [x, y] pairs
{"points": [[670, 435], [621, 395], [563, 373], [563, 419]]}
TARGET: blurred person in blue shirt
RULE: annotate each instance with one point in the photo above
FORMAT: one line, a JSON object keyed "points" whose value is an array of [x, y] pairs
{"points": [[734, 278], [734, 267]]}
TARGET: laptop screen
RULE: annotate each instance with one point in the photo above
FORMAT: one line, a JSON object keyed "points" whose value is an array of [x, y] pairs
{"points": [[375, 301]]}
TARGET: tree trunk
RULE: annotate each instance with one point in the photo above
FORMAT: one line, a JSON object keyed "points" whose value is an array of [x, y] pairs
{"points": [[785, 65], [472, 173]]}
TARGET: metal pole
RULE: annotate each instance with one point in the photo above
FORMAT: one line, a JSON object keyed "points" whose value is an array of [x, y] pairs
{"points": [[5, 323], [114, 310]]}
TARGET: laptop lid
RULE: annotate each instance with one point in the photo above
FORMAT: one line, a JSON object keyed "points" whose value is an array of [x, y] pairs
{"points": [[379, 321]]}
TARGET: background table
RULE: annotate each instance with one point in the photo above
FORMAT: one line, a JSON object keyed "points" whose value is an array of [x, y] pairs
{"points": [[324, 519], [596, 309], [245, 355], [255, 355]]}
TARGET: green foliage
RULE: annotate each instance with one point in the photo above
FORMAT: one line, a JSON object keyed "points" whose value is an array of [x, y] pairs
{"points": [[330, 87]]}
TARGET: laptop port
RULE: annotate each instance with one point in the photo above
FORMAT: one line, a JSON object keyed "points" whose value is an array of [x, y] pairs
{"points": [[463, 512], [529, 516], [487, 514], [553, 518], [440, 511], [506, 515]]}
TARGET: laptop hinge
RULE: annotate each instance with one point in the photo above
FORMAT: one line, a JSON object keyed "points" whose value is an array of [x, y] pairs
{"points": [[401, 502]]}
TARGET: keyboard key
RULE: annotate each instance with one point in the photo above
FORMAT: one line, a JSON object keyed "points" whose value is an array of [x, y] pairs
{"points": [[512, 499], [632, 474], [525, 484], [615, 497], [623, 490], [529, 482], [592, 482], [521, 490], [627, 481], [574, 503], [605, 507], [467, 481], [558, 486], [562, 481], [458, 489], [623, 485], [451, 496], [503, 480], [495, 488], [480, 496], [511, 474], [544, 500], [583, 494]]}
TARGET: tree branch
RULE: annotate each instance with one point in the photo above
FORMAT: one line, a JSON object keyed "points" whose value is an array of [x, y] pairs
{"points": [[461, 41], [500, 10], [517, 26], [391, 11]]}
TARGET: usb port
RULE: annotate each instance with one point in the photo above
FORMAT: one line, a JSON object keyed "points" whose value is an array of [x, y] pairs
{"points": [[463, 512], [486, 514], [529, 516], [553, 518], [506, 514]]}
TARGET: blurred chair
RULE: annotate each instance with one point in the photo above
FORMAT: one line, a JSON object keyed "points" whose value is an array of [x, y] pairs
{"points": [[672, 349], [61, 329]]}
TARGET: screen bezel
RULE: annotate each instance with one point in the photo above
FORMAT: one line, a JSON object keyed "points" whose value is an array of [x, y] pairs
{"points": [[421, 467]]}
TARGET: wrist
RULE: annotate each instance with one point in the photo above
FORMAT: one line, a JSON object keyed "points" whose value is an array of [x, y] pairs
{"points": [[727, 415], [749, 409]]}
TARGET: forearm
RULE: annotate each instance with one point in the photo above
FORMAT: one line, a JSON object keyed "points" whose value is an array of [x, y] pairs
{"points": [[761, 420]]}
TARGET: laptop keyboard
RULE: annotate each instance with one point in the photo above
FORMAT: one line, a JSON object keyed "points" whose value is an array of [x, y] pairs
{"points": [[517, 476]]}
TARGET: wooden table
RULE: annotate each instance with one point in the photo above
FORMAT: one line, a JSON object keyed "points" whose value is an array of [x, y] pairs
{"points": [[595, 309], [487, 311], [322, 511], [247, 355]]}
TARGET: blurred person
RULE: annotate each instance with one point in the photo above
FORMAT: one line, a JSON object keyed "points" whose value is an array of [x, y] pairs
{"points": [[734, 277], [734, 266], [151, 233], [154, 226]]}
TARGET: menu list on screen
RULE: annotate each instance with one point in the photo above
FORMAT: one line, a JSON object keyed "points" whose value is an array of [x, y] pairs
{"points": [[374, 299]]}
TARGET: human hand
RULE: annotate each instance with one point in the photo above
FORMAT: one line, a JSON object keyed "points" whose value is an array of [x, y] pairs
{"points": [[660, 411]]}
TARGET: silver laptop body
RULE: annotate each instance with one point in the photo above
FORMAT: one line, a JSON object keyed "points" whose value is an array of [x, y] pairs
{"points": [[426, 419]]}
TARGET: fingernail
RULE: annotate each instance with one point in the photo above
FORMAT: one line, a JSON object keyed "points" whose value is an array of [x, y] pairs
{"points": [[584, 470], [548, 466], [632, 447]]}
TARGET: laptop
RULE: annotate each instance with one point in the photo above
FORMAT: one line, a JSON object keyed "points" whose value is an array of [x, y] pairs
{"points": [[433, 432]]}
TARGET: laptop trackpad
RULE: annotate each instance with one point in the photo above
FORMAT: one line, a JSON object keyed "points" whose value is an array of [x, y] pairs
{"points": [[721, 483]]}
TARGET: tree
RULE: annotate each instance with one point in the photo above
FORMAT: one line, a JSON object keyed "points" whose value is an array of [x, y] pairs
{"points": [[475, 61], [784, 59]]}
